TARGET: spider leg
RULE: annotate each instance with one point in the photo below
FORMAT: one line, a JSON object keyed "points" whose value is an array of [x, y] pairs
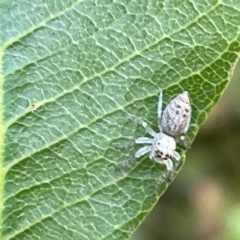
{"points": [[143, 140], [182, 138], [126, 144], [126, 164], [162, 178], [142, 151], [140, 140], [144, 124], [176, 155], [169, 164], [183, 141], [131, 161], [159, 110], [168, 175]]}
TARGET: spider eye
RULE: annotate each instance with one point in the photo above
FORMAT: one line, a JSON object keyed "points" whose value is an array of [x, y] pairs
{"points": [[158, 154]]}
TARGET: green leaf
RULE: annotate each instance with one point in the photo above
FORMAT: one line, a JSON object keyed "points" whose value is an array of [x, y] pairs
{"points": [[70, 72]]}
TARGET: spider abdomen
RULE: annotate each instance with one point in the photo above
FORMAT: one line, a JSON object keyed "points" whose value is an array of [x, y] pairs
{"points": [[176, 116]]}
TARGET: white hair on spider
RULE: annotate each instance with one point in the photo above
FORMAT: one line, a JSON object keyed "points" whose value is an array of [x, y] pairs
{"points": [[172, 123]]}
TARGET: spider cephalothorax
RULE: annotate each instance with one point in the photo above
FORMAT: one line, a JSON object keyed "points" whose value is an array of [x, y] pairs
{"points": [[163, 149]]}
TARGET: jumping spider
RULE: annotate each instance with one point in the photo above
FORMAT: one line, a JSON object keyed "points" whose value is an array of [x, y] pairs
{"points": [[173, 123]]}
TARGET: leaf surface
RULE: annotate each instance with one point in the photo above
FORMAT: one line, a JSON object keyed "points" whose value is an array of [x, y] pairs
{"points": [[70, 72]]}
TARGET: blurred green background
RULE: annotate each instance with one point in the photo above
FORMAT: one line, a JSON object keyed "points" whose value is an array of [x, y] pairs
{"points": [[203, 203]]}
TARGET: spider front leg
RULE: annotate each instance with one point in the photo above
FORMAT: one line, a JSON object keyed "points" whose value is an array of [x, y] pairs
{"points": [[182, 140], [139, 140], [140, 152], [159, 111], [144, 124], [176, 155], [171, 169], [144, 140]]}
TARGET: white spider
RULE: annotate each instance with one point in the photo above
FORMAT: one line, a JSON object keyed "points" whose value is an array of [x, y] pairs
{"points": [[173, 123]]}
